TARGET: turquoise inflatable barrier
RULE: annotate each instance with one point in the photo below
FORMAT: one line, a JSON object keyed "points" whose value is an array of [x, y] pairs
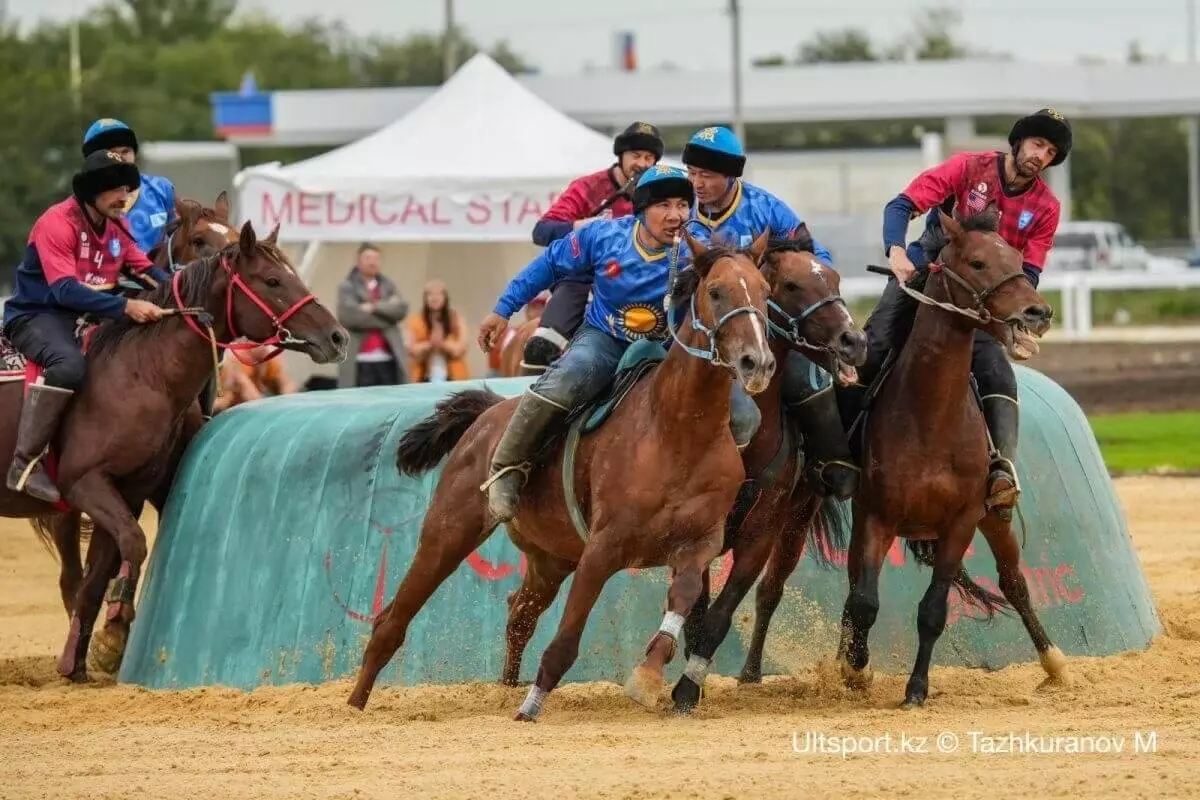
{"points": [[289, 527]]}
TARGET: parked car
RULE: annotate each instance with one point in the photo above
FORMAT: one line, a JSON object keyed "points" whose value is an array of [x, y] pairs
{"points": [[1096, 246]]}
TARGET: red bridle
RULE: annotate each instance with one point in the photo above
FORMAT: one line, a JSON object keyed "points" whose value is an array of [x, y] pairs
{"points": [[282, 335]]}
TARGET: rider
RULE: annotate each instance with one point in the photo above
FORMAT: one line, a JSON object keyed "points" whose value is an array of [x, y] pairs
{"points": [[76, 250], [629, 261], [1029, 214], [735, 213], [600, 195]]}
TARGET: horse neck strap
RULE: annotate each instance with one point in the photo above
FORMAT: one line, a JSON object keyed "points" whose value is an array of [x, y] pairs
{"points": [[711, 355]]}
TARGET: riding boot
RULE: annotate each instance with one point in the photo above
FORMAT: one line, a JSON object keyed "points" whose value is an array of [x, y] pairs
{"points": [[208, 398], [829, 466], [40, 415], [1002, 415], [511, 462], [542, 349]]}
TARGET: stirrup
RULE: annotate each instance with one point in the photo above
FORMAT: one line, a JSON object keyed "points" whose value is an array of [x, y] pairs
{"points": [[1004, 500], [500, 473]]}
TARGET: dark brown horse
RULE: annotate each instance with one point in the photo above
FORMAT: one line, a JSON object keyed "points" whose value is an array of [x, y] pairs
{"points": [[925, 457], [809, 316], [196, 232], [118, 438], [674, 424]]}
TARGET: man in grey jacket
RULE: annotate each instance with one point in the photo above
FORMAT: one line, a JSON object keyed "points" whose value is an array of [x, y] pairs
{"points": [[370, 308]]}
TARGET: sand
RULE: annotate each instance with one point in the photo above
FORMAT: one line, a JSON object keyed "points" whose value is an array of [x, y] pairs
{"points": [[108, 741]]}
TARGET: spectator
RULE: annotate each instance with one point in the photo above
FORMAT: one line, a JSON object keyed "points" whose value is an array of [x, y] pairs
{"points": [[241, 383], [435, 340], [371, 309]]}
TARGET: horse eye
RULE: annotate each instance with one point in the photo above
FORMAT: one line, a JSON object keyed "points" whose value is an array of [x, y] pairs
{"points": [[790, 286], [979, 265], [714, 293], [273, 282]]}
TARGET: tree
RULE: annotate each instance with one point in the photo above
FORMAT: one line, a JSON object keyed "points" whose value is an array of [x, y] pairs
{"points": [[848, 44]]}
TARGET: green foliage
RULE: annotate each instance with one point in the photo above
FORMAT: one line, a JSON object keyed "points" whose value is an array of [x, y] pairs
{"points": [[1141, 442]]}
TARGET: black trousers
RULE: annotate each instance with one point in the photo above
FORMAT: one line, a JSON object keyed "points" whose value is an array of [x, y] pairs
{"points": [[377, 373], [564, 312], [48, 340]]}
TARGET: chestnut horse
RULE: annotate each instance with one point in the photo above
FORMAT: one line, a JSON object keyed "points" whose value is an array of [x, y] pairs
{"points": [[925, 451], [195, 232], [120, 432], [809, 316], [673, 425]]}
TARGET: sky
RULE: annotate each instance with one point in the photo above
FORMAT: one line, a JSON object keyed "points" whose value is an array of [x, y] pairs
{"points": [[565, 37]]}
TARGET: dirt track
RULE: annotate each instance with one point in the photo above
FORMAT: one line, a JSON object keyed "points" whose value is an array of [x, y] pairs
{"points": [[107, 741], [1106, 377]]}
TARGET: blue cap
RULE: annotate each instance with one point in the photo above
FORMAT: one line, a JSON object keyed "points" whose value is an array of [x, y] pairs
{"points": [[107, 133], [659, 183], [717, 149]]}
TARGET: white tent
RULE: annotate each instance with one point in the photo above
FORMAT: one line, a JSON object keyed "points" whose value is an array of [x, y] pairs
{"points": [[451, 191], [480, 160]]}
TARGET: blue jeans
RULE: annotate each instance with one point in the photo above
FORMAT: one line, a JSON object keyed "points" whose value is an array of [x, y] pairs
{"points": [[587, 368]]}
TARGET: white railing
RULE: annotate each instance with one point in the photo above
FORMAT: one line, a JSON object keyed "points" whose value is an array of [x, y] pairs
{"points": [[1074, 318]]}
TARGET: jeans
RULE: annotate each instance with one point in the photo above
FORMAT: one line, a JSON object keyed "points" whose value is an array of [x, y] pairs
{"points": [[48, 340]]}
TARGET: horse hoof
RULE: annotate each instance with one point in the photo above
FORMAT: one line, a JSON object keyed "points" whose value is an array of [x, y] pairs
{"points": [[521, 716], [644, 687], [1055, 665], [913, 702], [749, 677], [686, 695], [858, 680], [107, 651]]}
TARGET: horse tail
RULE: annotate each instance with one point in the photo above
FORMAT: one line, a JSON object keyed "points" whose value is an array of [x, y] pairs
{"points": [[430, 440], [47, 529], [926, 550], [43, 528], [828, 531]]}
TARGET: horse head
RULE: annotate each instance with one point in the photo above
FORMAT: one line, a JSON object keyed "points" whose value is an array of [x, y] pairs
{"points": [[266, 301], [196, 232], [983, 277], [729, 307], [808, 312]]}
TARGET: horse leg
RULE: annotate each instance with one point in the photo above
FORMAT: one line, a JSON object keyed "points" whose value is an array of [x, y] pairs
{"points": [[693, 628], [594, 570], [1007, 552], [544, 575], [646, 681], [453, 528], [869, 543], [932, 610], [108, 644], [65, 532], [780, 566], [103, 558], [749, 556]]}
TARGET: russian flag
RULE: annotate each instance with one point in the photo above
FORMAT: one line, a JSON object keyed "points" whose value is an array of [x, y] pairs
{"points": [[628, 51]]}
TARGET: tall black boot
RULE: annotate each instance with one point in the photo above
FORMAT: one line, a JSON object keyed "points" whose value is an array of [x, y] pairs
{"points": [[1003, 416], [40, 415], [510, 463], [829, 465]]}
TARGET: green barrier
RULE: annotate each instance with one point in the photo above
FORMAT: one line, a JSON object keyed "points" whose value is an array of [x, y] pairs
{"points": [[289, 527]]}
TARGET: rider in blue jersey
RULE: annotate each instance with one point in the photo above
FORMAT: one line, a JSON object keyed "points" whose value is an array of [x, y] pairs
{"points": [[628, 260], [735, 213], [152, 205]]}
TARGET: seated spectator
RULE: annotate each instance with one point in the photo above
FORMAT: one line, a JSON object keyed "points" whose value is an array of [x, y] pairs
{"points": [[436, 339]]}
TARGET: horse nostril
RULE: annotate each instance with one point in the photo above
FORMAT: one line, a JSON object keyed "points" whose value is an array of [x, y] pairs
{"points": [[747, 363], [339, 339], [1039, 313]]}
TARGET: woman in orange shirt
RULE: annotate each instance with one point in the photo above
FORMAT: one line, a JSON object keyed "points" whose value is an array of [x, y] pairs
{"points": [[437, 347]]}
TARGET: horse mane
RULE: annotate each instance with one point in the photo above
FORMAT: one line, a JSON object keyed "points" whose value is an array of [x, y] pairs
{"points": [[986, 221], [802, 245], [688, 279], [195, 283]]}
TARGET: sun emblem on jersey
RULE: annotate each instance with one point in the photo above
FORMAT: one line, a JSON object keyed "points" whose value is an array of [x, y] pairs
{"points": [[639, 321]]}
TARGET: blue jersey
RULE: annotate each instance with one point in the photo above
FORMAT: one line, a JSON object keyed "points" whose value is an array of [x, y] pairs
{"points": [[629, 282], [753, 211], [153, 207]]}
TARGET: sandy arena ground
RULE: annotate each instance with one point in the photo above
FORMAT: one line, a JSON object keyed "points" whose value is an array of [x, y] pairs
{"points": [[105, 741]]}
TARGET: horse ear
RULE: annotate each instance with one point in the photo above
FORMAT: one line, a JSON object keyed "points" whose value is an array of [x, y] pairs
{"points": [[698, 249], [954, 231], [188, 212], [759, 246], [274, 235], [221, 207], [247, 241]]}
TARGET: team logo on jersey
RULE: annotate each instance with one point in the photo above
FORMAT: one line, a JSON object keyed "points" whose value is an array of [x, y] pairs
{"points": [[576, 250], [159, 219], [114, 247], [1024, 220], [639, 321], [746, 240], [613, 269], [977, 198]]}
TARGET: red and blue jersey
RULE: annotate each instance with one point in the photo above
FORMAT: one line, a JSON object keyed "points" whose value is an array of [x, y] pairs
{"points": [[578, 201], [69, 266], [967, 183]]}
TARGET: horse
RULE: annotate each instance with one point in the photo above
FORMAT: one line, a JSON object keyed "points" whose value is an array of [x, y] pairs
{"points": [[510, 349], [120, 433], [195, 232], [925, 452], [673, 426], [812, 318]]}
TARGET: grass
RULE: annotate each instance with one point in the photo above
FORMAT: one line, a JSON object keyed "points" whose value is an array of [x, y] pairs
{"points": [[1140, 442]]}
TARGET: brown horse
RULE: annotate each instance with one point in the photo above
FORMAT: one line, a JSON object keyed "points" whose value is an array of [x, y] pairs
{"points": [[121, 431], [925, 451], [810, 317], [674, 425], [511, 356], [196, 232]]}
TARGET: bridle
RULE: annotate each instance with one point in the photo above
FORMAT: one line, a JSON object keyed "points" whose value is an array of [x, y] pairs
{"points": [[790, 332], [976, 311]]}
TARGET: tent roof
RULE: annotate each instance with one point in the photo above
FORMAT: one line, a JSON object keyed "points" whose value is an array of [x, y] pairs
{"points": [[481, 129]]}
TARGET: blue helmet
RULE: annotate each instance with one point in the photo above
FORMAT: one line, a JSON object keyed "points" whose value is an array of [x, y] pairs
{"points": [[716, 149], [661, 182], [106, 134]]}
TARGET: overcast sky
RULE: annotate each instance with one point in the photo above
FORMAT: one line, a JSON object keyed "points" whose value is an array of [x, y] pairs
{"points": [[561, 36]]}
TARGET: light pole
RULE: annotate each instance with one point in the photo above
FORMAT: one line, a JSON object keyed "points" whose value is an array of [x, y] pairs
{"points": [[1193, 137], [736, 32], [449, 54]]}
